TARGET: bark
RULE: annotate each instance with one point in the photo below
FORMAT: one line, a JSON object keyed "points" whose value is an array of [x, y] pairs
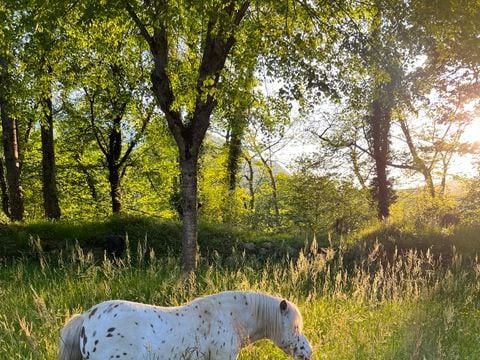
{"points": [[113, 159], [234, 153], [115, 194], [446, 159], [249, 178], [4, 189], [50, 193], [189, 214], [10, 149], [379, 131]]}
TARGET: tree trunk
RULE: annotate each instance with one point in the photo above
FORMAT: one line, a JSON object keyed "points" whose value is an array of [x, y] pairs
{"points": [[10, 149], [249, 178], [234, 153], [188, 167], [380, 128], [446, 159], [273, 185], [4, 189], [113, 159], [115, 195], [50, 193]]}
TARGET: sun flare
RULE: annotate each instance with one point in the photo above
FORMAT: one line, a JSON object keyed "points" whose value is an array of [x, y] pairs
{"points": [[465, 164]]}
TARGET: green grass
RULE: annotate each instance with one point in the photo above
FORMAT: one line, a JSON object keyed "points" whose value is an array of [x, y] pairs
{"points": [[415, 307]]}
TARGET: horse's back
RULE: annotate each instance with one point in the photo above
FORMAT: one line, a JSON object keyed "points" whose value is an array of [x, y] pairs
{"points": [[128, 330]]}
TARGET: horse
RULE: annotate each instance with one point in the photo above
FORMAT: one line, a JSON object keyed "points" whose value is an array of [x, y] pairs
{"points": [[214, 327]]}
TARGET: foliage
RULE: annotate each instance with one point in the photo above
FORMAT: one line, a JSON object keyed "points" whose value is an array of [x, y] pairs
{"points": [[417, 206], [320, 204], [470, 201]]}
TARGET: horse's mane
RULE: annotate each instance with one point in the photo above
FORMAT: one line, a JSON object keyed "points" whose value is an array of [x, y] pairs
{"points": [[267, 311]]}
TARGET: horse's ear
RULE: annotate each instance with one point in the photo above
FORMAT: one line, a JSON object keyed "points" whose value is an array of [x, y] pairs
{"points": [[283, 305]]}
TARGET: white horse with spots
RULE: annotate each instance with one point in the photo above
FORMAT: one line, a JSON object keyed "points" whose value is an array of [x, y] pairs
{"points": [[212, 327]]}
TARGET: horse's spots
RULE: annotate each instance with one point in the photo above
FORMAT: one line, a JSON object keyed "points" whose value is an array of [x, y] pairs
{"points": [[109, 335], [111, 329], [94, 310], [84, 339]]}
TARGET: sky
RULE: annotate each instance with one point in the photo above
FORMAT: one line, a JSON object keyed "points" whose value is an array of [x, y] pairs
{"points": [[463, 166]]}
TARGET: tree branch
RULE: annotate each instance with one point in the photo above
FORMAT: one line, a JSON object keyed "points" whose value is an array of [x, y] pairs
{"points": [[141, 26], [100, 140]]}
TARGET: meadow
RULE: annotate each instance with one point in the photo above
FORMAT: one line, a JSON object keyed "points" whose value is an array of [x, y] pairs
{"points": [[409, 304]]}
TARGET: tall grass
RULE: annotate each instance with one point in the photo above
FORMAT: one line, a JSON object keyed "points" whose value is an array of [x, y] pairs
{"points": [[414, 306]]}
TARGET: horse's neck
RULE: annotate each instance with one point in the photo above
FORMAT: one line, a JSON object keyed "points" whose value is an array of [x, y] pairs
{"points": [[255, 327]]}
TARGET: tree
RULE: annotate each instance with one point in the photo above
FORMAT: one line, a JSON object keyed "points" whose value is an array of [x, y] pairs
{"points": [[42, 47], [321, 204], [268, 120], [196, 48], [116, 101], [442, 86], [8, 50]]}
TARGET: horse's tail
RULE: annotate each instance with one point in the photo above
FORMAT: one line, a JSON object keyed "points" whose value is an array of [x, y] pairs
{"points": [[70, 339]]}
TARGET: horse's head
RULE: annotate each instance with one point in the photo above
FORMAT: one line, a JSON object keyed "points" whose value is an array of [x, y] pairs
{"points": [[291, 340]]}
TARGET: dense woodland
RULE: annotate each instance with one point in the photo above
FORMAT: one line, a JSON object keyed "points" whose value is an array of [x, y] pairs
{"points": [[182, 109]]}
